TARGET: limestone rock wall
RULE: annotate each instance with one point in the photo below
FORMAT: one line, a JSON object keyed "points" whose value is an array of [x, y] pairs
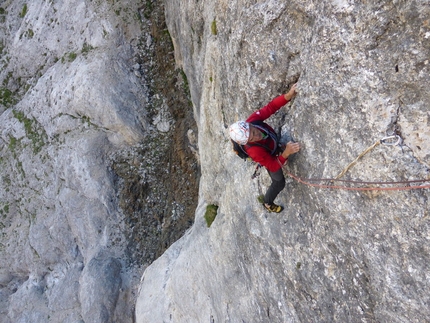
{"points": [[73, 101], [333, 255], [59, 64]]}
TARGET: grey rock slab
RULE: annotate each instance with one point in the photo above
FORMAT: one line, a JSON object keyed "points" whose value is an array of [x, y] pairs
{"points": [[332, 255]]}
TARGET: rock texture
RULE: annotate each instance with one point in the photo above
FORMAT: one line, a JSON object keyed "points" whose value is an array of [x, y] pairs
{"points": [[97, 175], [333, 255]]}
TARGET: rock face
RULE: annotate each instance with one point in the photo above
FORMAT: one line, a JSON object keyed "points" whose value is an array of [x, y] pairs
{"points": [[97, 175], [333, 255]]}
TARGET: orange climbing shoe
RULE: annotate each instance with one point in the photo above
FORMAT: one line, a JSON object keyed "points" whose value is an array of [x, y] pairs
{"points": [[273, 207]]}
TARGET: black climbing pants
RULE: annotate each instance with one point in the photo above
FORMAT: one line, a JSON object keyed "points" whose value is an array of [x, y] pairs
{"points": [[278, 184]]}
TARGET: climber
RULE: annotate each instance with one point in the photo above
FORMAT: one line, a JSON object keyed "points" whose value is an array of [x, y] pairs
{"points": [[260, 142]]}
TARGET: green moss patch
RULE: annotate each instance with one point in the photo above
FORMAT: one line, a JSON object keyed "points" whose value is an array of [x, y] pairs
{"points": [[86, 48], [210, 214], [214, 29], [23, 11], [33, 130], [69, 57], [260, 199], [6, 97]]}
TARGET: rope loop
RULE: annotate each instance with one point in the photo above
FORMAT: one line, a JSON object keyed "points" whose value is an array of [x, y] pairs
{"points": [[307, 181], [388, 141]]}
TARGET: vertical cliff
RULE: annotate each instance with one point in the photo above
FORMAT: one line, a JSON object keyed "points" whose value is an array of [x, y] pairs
{"points": [[332, 255], [98, 174]]}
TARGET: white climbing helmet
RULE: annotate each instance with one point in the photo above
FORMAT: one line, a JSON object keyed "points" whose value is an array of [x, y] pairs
{"points": [[239, 132]]}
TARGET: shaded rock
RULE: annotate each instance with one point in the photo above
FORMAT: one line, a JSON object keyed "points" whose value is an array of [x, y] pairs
{"points": [[99, 289]]}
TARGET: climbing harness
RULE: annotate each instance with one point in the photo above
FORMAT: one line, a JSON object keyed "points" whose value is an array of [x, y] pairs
{"points": [[394, 140]]}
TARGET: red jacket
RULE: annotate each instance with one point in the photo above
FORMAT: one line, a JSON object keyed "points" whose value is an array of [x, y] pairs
{"points": [[260, 154]]}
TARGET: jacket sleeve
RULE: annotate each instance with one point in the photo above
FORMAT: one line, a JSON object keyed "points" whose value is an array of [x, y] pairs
{"points": [[266, 111], [264, 158]]}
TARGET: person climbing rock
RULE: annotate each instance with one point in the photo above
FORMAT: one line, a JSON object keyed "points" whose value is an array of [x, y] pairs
{"points": [[260, 142]]}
